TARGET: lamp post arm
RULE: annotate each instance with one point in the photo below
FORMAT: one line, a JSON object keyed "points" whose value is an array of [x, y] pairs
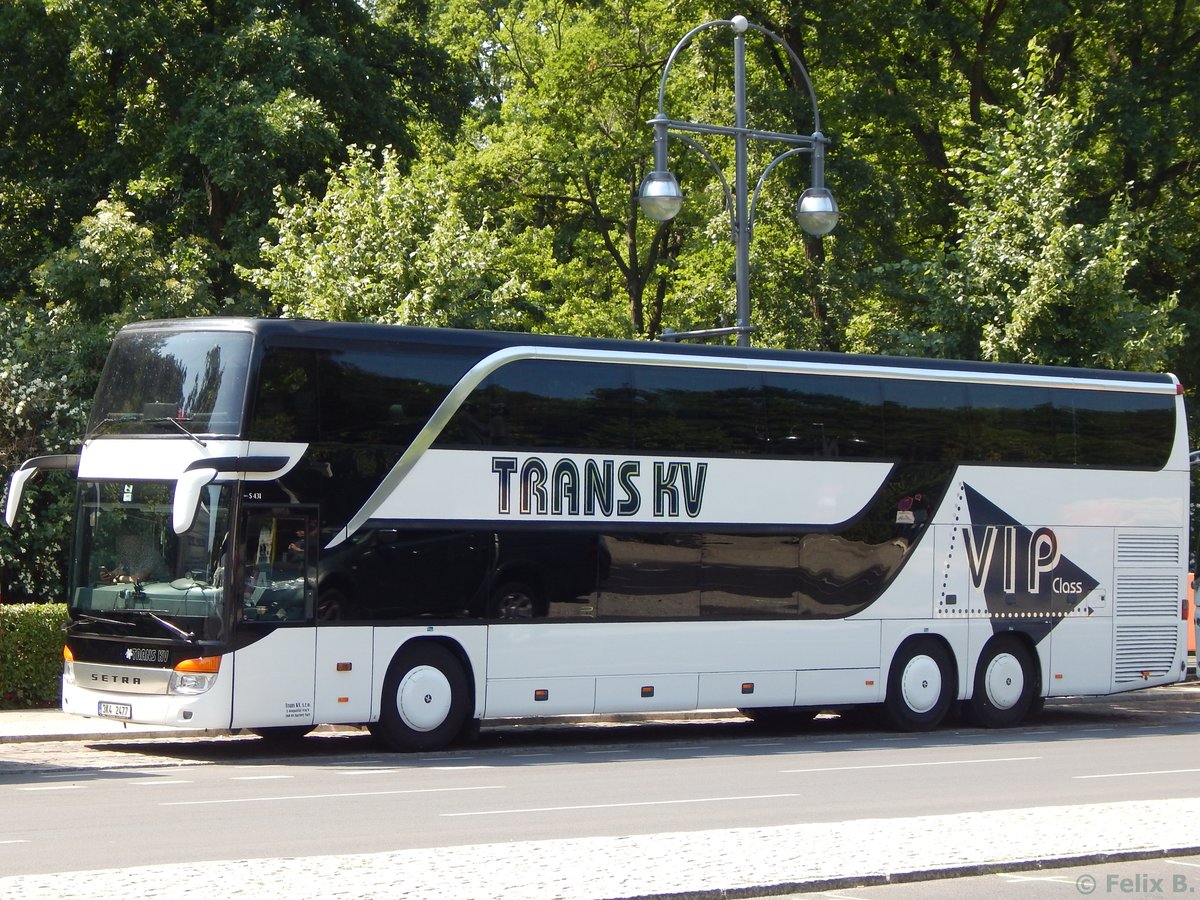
{"points": [[683, 42], [796, 61], [808, 85], [763, 177], [712, 164]]}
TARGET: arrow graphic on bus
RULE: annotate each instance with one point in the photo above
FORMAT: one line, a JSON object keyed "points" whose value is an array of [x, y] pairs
{"points": [[1021, 571]]}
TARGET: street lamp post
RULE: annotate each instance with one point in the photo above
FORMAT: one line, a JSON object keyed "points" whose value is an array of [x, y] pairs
{"points": [[661, 197]]}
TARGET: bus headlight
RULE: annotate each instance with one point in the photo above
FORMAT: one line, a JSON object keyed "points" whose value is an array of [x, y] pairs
{"points": [[195, 676], [68, 665]]}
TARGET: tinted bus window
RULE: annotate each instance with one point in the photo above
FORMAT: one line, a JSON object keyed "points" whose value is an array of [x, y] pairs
{"points": [[927, 421], [677, 410], [384, 396], [285, 406], [539, 404], [1117, 430], [1018, 424], [823, 416], [352, 396]]}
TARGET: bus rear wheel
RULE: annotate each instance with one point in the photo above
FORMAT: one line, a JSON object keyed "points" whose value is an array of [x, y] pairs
{"points": [[426, 699], [921, 685], [1006, 688]]}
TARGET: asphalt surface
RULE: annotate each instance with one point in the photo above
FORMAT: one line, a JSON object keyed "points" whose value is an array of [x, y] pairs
{"points": [[740, 862]]}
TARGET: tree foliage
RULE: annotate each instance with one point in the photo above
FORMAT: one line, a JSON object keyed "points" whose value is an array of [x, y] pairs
{"points": [[1018, 179]]}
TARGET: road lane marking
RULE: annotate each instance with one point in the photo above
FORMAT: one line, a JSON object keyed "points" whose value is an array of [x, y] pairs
{"points": [[258, 777], [487, 787], [912, 765], [1136, 774], [632, 803], [155, 781], [52, 787]]}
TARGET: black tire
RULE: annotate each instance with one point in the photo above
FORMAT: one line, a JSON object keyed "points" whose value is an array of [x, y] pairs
{"points": [[921, 685], [781, 718], [1006, 683], [514, 601], [426, 699], [282, 735]]}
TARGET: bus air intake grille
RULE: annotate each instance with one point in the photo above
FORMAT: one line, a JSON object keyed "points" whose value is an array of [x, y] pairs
{"points": [[1144, 651], [1147, 595], [1140, 548]]}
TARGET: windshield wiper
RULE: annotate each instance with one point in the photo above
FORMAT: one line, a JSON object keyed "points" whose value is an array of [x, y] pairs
{"points": [[120, 419], [189, 636], [88, 617], [179, 425]]}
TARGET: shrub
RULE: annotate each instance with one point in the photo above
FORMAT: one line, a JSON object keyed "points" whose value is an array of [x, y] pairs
{"points": [[31, 642]]}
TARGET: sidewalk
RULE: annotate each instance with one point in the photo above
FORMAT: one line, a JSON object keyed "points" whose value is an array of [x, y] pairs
{"points": [[696, 865]]}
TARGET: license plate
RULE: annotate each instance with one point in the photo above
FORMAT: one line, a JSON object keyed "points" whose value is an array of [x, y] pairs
{"points": [[116, 710]]}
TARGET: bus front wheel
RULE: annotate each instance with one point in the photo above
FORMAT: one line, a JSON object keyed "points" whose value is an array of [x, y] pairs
{"points": [[426, 699], [920, 686], [1006, 684]]}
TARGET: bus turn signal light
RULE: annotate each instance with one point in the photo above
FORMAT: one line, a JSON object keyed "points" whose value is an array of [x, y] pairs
{"points": [[207, 664]]}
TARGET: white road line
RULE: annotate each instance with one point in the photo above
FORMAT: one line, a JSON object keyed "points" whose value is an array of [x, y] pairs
{"points": [[52, 787], [537, 809], [17, 841], [489, 787], [912, 765], [259, 777], [145, 782], [1136, 774]]}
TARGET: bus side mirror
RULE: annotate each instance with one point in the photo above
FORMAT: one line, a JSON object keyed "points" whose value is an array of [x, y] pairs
{"points": [[29, 468], [16, 487], [187, 497]]}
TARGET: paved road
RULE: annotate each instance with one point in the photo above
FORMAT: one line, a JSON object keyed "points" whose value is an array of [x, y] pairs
{"points": [[656, 808]]}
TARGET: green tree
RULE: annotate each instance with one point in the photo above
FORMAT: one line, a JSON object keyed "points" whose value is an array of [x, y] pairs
{"points": [[142, 148], [1033, 277]]}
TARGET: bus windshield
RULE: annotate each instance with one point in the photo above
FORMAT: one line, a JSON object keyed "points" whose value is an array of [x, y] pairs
{"points": [[158, 381], [129, 559]]}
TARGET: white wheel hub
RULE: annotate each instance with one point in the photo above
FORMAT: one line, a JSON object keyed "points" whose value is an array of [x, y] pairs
{"points": [[921, 683], [423, 698], [1004, 681]]}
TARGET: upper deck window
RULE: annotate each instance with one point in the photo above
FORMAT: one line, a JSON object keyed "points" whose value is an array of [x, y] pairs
{"points": [[156, 382]]}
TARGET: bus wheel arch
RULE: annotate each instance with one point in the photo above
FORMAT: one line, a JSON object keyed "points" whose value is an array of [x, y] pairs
{"points": [[1007, 687], [427, 698], [922, 683]]}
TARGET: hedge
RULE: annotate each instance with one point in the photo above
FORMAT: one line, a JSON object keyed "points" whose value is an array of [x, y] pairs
{"points": [[31, 660]]}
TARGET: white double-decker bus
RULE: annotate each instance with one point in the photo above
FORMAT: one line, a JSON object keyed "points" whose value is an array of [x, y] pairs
{"points": [[287, 523]]}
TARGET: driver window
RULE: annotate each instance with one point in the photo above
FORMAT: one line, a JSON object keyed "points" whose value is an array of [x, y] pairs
{"points": [[278, 565]]}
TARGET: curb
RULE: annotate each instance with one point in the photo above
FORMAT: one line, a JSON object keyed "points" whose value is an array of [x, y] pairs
{"points": [[916, 877]]}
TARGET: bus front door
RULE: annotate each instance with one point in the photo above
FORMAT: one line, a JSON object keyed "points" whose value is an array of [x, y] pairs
{"points": [[274, 664]]}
